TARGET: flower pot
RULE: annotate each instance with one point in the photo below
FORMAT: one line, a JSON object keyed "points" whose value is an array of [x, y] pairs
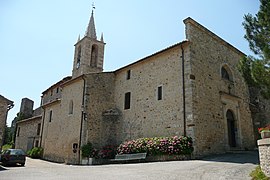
{"points": [[84, 161], [265, 134], [90, 161]]}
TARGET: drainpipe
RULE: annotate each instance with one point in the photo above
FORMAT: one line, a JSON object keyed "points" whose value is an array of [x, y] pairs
{"points": [[183, 88], [42, 127], [82, 117]]}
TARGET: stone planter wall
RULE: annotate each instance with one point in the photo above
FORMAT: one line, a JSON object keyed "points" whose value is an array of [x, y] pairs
{"points": [[167, 158], [264, 152], [94, 161], [156, 158]]}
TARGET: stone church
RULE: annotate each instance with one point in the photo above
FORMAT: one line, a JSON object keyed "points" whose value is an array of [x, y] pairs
{"points": [[191, 88]]}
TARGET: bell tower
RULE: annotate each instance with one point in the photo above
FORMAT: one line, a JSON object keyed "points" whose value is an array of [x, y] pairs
{"points": [[89, 52]]}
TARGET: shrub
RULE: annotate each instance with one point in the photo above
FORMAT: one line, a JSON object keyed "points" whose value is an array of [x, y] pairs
{"points": [[87, 150], [6, 146], [158, 145], [36, 152], [108, 152], [257, 174]]}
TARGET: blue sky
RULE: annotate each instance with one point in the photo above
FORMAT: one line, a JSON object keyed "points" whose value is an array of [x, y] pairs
{"points": [[37, 36]]}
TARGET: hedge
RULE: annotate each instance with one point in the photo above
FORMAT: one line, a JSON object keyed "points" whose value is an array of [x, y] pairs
{"points": [[158, 146]]}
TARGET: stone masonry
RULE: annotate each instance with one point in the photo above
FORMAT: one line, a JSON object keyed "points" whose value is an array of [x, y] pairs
{"points": [[191, 88], [27, 107], [5, 106], [264, 153], [209, 96], [62, 127], [28, 133], [28, 130]]}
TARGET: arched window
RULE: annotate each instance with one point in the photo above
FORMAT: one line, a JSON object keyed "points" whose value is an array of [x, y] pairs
{"points": [[70, 110], [94, 56], [230, 115], [79, 57], [226, 73]]}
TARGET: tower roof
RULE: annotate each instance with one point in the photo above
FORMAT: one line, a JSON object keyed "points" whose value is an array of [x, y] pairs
{"points": [[91, 30]]}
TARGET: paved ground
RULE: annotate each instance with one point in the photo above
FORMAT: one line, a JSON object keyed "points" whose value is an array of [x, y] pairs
{"points": [[229, 166]]}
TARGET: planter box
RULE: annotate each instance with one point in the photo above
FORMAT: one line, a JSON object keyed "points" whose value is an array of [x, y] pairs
{"points": [[157, 158], [265, 134], [94, 161], [84, 161]]}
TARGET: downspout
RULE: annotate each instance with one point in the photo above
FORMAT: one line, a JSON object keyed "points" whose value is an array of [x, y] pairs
{"points": [[42, 127], [82, 117], [183, 89]]}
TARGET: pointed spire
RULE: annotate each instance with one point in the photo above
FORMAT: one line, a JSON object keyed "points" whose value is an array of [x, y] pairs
{"points": [[101, 39], [91, 30], [79, 38]]}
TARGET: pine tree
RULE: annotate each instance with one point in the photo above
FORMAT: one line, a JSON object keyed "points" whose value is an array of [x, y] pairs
{"points": [[256, 71]]}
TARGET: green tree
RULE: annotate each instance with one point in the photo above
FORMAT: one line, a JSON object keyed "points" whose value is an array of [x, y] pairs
{"points": [[20, 116], [256, 70], [7, 135]]}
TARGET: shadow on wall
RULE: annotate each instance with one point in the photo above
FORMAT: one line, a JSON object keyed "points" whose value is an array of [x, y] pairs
{"points": [[235, 157]]}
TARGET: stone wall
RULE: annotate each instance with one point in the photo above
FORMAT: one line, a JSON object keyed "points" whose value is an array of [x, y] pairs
{"points": [[26, 107], [148, 116], [27, 135], [4, 107], [86, 44], [209, 96], [63, 131], [54, 92], [264, 153], [99, 97]]}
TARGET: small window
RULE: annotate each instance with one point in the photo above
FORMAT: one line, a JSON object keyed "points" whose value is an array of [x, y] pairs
{"points": [[18, 131], [57, 89], [36, 143], [127, 100], [50, 116], [70, 111], [94, 56], [128, 74], [78, 57], [51, 92], [38, 129], [225, 74], [159, 94]]}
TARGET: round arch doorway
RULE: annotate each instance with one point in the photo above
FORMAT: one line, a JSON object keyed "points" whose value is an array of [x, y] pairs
{"points": [[231, 125]]}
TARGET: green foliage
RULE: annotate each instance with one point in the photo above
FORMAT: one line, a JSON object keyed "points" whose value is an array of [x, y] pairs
{"points": [[7, 136], [108, 152], [6, 146], [36, 152], [20, 116], [245, 67], [158, 145], [256, 70], [257, 174], [256, 74], [87, 150], [258, 30]]}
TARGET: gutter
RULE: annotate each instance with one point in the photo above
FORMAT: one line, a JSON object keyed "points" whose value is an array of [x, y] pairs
{"points": [[82, 117], [183, 89]]}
